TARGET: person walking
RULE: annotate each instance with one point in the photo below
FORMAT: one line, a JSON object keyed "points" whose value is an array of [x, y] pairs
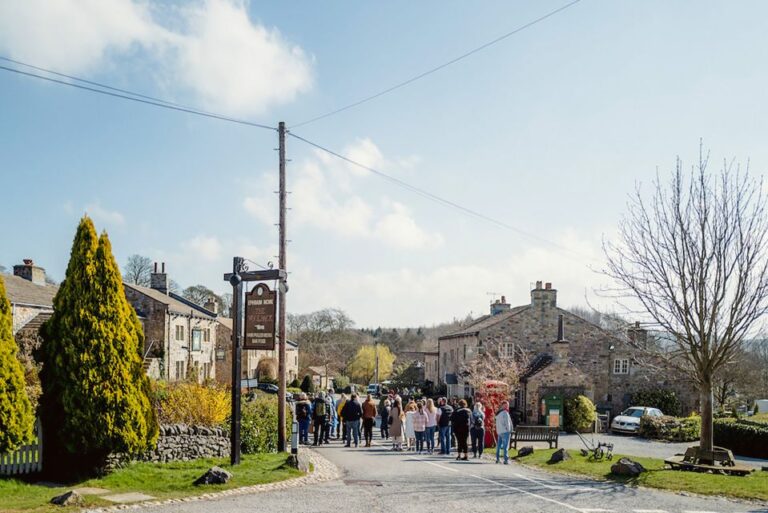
{"points": [[352, 413], [384, 414], [303, 417], [430, 410], [410, 434], [460, 421], [396, 417], [340, 431], [333, 419], [420, 426], [503, 431], [369, 419], [444, 426], [477, 431], [319, 418]]}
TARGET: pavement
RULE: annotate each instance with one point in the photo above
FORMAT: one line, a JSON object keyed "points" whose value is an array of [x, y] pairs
{"points": [[373, 480]]}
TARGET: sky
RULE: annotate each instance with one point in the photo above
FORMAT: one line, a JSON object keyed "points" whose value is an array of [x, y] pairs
{"points": [[547, 131]]}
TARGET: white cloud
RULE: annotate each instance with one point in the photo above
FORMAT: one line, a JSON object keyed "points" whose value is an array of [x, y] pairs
{"points": [[211, 49], [102, 215], [326, 195], [205, 247]]}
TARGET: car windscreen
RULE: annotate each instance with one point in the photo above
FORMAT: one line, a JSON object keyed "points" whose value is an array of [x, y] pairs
{"points": [[633, 412]]}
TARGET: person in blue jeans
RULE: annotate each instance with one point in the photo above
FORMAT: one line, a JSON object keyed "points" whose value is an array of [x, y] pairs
{"points": [[304, 417], [503, 431], [352, 412], [444, 426]]}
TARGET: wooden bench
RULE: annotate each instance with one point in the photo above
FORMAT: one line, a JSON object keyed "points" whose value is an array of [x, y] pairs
{"points": [[535, 434]]}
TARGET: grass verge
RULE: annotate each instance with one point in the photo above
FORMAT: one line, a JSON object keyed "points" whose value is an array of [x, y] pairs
{"points": [[753, 486], [159, 480]]}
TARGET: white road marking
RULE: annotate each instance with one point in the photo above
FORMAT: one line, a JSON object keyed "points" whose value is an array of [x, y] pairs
{"points": [[559, 486], [433, 464], [650, 511], [563, 504], [596, 510]]}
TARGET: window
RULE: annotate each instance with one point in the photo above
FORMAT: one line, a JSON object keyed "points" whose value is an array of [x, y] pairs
{"points": [[445, 359], [507, 350], [621, 366], [197, 340], [180, 370], [206, 370], [179, 332], [207, 335], [465, 351]]}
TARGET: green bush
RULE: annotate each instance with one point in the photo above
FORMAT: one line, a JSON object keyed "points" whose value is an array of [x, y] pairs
{"points": [[671, 429], [307, 385], [293, 390], [579, 414], [663, 399], [295, 383], [95, 392], [743, 437], [16, 416], [258, 427], [340, 382]]}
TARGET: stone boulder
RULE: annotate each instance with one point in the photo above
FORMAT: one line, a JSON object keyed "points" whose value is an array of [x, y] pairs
{"points": [[559, 455], [214, 475], [627, 467], [71, 498], [525, 451]]}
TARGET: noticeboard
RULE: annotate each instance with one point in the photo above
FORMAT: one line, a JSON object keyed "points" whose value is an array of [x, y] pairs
{"points": [[260, 314]]}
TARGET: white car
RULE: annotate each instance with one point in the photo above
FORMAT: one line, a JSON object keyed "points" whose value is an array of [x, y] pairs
{"points": [[629, 420]]}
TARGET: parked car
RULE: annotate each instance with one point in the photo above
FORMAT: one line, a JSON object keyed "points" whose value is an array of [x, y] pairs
{"points": [[267, 387], [629, 420]]}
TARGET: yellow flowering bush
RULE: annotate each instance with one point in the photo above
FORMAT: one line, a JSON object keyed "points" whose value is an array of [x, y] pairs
{"points": [[192, 403]]}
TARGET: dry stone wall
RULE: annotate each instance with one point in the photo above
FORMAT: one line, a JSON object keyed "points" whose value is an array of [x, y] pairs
{"points": [[179, 442]]}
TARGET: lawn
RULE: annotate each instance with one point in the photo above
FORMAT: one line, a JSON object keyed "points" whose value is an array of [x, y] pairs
{"points": [[161, 481], [753, 486]]}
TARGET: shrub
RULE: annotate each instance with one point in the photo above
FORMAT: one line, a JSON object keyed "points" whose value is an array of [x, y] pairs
{"points": [[341, 382], [95, 392], [192, 403], [671, 429], [16, 415], [663, 399], [307, 385], [579, 414], [293, 390], [295, 383], [258, 427], [743, 437]]}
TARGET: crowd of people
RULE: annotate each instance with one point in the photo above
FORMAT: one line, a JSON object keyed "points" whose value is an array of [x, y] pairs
{"points": [[420, 426]]}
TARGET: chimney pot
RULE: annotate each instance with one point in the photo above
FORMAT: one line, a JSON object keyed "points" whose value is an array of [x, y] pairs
{"points": [[538, 284], [503, 299], [28, 261], [548, 286], [155, 267], [163, 267]]}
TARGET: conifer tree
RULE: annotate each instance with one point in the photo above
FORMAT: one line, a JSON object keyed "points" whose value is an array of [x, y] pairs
{"points": [[95, 392], [16, 416]]}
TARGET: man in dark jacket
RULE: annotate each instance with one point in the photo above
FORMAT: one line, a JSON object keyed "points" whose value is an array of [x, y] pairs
{"points": [[444, 425], [351, 413], [304, 417], [320, 418]]}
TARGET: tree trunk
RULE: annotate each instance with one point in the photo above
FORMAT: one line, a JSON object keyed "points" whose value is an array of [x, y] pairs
{"points": [[707, 440]]}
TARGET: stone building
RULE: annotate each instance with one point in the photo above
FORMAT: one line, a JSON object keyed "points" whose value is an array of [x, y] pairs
{"points": [[251, 358], [180, 335], [588, 360], [31, 298]]}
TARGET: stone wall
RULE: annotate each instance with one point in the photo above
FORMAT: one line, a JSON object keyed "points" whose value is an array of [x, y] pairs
{"points": [[179, 442]]}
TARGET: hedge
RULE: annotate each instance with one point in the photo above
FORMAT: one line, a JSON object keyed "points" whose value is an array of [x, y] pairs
{"points": [[671, 429], [743, 437], [258, 426], [661, 398]]}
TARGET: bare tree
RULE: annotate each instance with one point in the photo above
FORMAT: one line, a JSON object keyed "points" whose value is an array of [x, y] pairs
{"points": [[694, 256], [199, 294], [495, 373], [137, 270]]}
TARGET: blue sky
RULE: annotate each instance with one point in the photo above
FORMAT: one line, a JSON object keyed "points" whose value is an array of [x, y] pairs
{"points": [[548, 131]]}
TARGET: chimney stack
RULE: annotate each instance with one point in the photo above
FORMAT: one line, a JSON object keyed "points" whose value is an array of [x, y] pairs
{"points": [[30, 272], [159, 280], [544, 297], [498, 307], [212, 305]]}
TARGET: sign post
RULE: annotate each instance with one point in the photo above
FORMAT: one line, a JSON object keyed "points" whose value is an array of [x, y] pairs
{"points": [[260, 310]]}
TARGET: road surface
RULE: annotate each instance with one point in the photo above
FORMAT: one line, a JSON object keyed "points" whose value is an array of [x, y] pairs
{"points": [[378, 480]]}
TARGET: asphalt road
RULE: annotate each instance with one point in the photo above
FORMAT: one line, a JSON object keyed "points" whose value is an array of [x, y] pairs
{"points": [[379, 480]]}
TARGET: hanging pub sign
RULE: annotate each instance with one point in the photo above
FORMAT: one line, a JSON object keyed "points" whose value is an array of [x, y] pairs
{"points": [[260, 315]]}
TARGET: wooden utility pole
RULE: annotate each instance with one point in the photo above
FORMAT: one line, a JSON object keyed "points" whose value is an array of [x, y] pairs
{"points": [[281, 378], [237, 344]]}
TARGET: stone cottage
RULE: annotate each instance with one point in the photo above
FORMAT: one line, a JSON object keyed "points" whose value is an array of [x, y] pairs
{"points": [[251, 358], [180, 336], [31, 298], [586, 360]]}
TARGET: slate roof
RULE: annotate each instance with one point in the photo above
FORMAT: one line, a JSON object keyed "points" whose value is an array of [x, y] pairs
{"points": [[484, 322], [539, 363], [176, 304], [24, 292]]}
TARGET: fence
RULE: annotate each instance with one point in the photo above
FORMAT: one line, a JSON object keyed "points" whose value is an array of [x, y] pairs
{"points": [[25, 460]]}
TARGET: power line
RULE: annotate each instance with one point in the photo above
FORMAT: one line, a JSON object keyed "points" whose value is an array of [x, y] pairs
{"points": [[443, 201], [437, 68], [136, 97]]}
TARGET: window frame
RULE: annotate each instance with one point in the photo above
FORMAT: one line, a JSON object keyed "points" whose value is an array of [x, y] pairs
{"points": [[621, 366]]}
